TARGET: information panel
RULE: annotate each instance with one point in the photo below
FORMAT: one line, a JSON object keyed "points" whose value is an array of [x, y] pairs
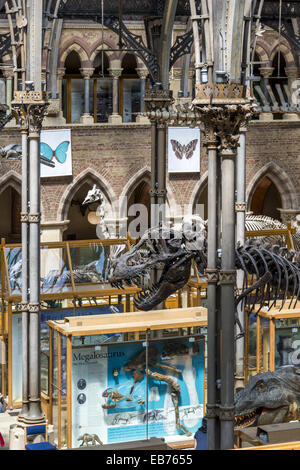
{"points": [[110, 395]]}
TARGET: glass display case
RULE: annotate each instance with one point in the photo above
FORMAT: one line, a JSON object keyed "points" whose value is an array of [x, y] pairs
{"points": [[272, 338], [67, 268], [126, 378], [74, 281]]}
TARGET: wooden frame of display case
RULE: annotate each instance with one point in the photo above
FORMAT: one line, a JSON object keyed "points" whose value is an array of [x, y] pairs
{"points": [[128, 323], [284, 232], [276, 313]]}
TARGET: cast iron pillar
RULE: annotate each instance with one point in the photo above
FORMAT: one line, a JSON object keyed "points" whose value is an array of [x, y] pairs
{"points": [[157, 102], [31, 107], [240, 209], [21, 116], [223, 110], [211, 143]]}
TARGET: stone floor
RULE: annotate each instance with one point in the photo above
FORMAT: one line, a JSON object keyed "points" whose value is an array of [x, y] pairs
{"points": [[6, 419]]}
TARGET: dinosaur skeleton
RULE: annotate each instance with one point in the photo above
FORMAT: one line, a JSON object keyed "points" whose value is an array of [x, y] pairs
{"points": [[271, 272]]}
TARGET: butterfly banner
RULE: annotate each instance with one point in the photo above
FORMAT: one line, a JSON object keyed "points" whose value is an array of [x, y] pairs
{"points": [[183, 150], [56, 153]]}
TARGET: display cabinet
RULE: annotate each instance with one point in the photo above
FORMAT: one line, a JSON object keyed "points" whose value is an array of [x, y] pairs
{"points": [[272, 337], [118, 378], [74, 281]]}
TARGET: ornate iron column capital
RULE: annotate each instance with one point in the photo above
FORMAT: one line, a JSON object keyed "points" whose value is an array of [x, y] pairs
{"points": [[30, 108], [224, 110], [212, 276], [226, 413], [240, 207], [227, 277], [212, 411]]}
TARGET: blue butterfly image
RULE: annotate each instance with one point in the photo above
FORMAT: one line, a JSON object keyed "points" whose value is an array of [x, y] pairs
{"points": [[60, 153]]}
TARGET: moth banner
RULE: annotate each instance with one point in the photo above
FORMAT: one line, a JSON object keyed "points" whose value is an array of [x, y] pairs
{"points": [[183, 150], [56, 153]]}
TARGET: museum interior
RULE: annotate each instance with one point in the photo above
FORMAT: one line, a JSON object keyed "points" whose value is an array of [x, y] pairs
{"points": [[150, 224]]}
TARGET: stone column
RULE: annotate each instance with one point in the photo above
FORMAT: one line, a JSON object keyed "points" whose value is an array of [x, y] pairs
{"points": [[87, 118], [60, 75], [143, 74], [293, 84], [115, 118], [266, 72], [9, 76]]}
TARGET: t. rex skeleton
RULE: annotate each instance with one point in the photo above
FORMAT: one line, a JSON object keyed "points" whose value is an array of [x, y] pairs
{"points": [[273, 271]]}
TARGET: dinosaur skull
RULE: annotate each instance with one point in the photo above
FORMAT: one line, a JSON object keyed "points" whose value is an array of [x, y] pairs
{"points": [[172, 250], [271, 397], [94, 195]]}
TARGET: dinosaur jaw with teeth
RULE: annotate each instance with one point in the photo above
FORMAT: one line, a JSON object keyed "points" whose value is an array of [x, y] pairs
{"points": [[174, 276], [243, 421], [261, 416]]}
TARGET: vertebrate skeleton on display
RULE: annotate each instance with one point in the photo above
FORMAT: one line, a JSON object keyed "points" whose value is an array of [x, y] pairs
{"points": [[86, 438], [272, 273], [113, 397]]}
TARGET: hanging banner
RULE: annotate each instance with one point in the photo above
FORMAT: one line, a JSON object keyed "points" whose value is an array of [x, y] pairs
{"points": [[56, 153], [183, 150]]}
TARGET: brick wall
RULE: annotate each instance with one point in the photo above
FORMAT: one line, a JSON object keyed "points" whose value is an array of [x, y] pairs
{"points": [[117, 153]]}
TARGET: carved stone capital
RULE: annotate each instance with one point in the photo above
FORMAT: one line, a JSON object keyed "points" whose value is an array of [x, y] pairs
{"points": [[227, 277], [158, 99], [266, 72], [292, 72], [142, 73], [54, 107], [61, 72], [115, 73], [87, 73], [8, 72]]}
